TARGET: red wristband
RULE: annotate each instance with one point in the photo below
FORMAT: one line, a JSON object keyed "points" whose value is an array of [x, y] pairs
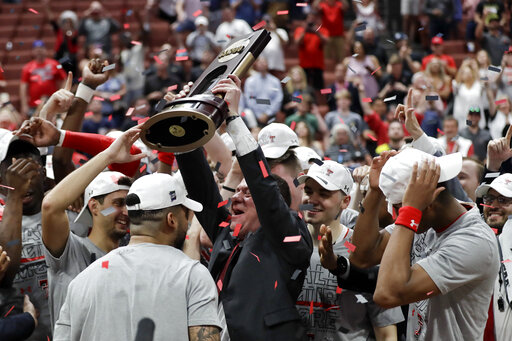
{"points": [[409, 217]]}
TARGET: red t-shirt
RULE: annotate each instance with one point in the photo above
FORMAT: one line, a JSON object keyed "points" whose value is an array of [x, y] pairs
{"points": [[448, 59], [332, 18], [42, 79], [311, 52]]}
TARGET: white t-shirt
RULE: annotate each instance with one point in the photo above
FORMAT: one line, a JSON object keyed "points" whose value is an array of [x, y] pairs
{"points": [[234, 29], [463, 265], [339, 317], [108, 299], [77, 255], [273, 52]]}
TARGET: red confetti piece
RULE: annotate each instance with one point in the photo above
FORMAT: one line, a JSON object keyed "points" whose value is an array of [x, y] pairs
{"points": [[187, 237], [341, 120], [158, 60], [219, 285], [142, 120], [33, 11], [263, 169], [292, 125], [487, 205], [440, 131], [371, 137], [98, 98], [181, 58], [224, 224], [134, 42], [9, 311], [338, 290], [275, 285], [237, 230], [110, 118], [181, 51], [326, 91], [197, 13], [302, 4], [506, 261], [413, 312], [430, 293], [1, 69], [37, 102], [104, 264], [88, 114], [351, 247], [143, 168], [282, 12], [8, 187], [126, 26], [291, 239], [228, 36], [114, 98], [172, 87], [333, 307], [343, 151], [311, 308], [377, 69], [299, 214], [258, 258], [501, 101], [222, 203], [130, 111], [319, 237], [367, 100], [259, 25], [494, 230]]}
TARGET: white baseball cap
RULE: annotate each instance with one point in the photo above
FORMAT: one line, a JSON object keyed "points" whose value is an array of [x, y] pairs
{"points": [[502, 184], [330, 175], [201, 20], [160, 190], [275, 139], [397, 171], [104, 183], [8, 140], [305, 154]]}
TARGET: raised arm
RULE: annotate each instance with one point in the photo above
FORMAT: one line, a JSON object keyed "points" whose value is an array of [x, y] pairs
{"points": [[54, 218], [276, 218], [398, 283], [92, 76], [369, 239], [17, 176]]}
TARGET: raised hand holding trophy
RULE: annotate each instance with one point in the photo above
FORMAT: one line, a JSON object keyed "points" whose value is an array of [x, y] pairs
{"points": [[190, 122]]}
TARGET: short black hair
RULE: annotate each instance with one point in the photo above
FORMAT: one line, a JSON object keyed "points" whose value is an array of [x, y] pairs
{"points": [[284, 189], [123, 181], [289, 160]]}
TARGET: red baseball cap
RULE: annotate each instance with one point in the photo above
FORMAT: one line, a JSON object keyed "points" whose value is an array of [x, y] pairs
{"points": [[437, 40]]}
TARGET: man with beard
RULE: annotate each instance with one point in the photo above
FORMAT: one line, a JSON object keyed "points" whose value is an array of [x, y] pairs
{"points": [[104, 209], [497, 202], [149, 278]]}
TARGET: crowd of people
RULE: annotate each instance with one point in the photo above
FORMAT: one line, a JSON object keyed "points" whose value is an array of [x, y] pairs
{"points": [[375, 207]]}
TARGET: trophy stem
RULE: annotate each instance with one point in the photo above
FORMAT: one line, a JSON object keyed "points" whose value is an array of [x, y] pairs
{"points": [[244, 65]]}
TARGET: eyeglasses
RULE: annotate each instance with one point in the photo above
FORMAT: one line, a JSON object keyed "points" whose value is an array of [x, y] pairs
{"points": [[489, 199]]}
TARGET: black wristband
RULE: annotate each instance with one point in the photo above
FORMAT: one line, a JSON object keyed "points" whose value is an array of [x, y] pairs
{"points": [[228, 189], [231, 118], [341, 267]]}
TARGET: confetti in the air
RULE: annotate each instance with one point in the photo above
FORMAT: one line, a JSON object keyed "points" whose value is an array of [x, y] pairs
{"points": [[263, 169], [104, 264], [108, 211], [292, 239], [259, 25], [108, 67], [326, 91], [361, 299]]}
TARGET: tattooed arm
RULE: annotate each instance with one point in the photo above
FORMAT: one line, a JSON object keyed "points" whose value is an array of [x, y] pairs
{"points": [[204, 333]]}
